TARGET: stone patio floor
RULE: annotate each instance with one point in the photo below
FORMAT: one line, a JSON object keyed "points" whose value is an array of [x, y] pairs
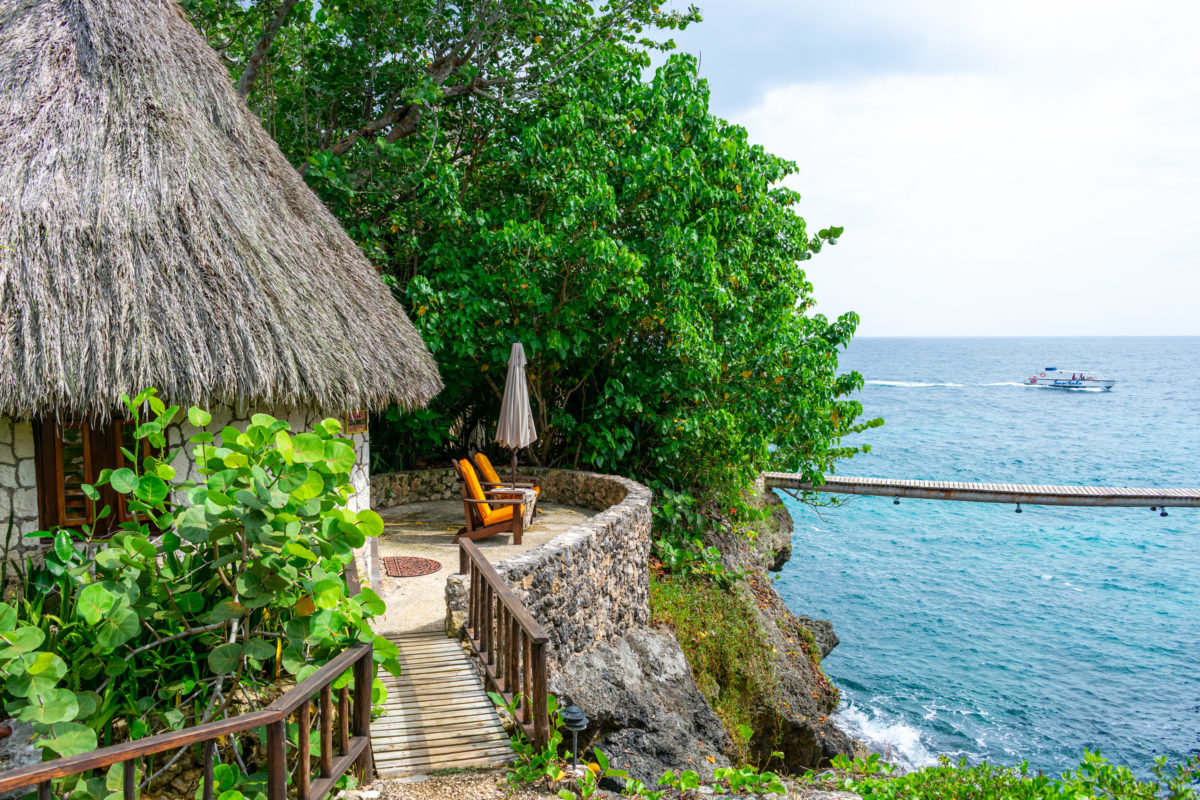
{"points": [[427, 530]]}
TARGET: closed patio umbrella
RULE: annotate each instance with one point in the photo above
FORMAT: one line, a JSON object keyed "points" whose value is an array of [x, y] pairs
{"points": [[516, 429]]}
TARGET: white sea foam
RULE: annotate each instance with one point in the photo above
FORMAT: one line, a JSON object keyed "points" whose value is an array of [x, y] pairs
{"points": [[896, 740]]}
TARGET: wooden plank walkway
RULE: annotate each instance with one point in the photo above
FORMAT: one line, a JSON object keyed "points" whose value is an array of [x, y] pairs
{"points": [[438, 713], [1028, 494]]}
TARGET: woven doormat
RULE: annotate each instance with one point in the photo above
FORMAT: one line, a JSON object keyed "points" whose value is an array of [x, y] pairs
{"points": [[409, 566]]}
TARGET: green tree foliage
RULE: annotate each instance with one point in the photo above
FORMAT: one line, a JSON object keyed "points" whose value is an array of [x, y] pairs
{"points": [[648, 256]]}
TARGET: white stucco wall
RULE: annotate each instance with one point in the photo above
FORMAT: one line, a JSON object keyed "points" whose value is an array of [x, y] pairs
{"points": [[18, 478]]}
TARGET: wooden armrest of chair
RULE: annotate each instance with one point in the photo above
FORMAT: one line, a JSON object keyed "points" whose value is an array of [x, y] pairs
{"points": [[507, 485], [497, 501]]}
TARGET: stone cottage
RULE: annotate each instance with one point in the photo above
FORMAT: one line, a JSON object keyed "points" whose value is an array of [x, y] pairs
{"points": [[152, 234]]}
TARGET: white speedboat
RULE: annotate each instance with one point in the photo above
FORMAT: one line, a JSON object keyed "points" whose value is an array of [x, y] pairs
{"points": [[1056, 378]]}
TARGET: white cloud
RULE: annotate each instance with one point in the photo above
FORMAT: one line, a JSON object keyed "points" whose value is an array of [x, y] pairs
{"points": [[1052, 190]]}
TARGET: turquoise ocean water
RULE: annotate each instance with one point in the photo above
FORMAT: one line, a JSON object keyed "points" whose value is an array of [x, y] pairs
{"points": [[968, 629]]}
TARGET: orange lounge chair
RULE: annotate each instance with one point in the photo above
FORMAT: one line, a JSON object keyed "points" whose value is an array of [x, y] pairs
{"points": [[494, 486], [483, 519]]}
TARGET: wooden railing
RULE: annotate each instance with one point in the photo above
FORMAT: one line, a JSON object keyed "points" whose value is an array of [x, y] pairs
{"points": [[354, 726], [508, 641]]}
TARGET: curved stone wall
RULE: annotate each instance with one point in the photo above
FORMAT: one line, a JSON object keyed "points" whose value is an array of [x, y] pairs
{"points": [[587, 585]]}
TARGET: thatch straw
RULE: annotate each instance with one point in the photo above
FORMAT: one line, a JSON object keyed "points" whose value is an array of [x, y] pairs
{"points": [[152, 234]]}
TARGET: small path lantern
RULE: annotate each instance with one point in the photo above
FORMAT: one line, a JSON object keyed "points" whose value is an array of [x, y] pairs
{"points": [[575, 721]]}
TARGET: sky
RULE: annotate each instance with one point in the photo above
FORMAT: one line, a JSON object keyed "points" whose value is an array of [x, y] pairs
{"points": [[1002, 168]]}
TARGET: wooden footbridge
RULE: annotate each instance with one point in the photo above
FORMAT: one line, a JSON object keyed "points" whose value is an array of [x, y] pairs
{"points": [[1012, 493], [439, 715]]}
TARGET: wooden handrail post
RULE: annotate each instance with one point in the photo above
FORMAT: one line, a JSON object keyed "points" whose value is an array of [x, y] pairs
{"points": [[343, 719], [363, 678], [501, 644], [276, 760], [327, 731], [129, 779], [210, 748], [512, 670], [304, 776], [464, 560], [541, 719], [527, 677], [485, 621]]}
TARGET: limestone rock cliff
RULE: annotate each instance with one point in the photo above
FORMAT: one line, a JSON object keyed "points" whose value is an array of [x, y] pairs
{"points": [[793, 716]]}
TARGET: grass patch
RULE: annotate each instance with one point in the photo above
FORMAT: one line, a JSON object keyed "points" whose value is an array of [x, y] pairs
{"points": [[728, 651]]}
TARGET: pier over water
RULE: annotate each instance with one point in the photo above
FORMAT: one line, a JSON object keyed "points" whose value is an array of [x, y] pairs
{"points": [[1027, 494]]}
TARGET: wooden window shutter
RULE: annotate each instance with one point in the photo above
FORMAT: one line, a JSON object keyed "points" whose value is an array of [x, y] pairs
{"points": [[70, 454]]}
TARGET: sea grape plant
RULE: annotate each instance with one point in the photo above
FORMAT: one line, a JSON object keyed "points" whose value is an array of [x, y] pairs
{"points": [[213, 588]]}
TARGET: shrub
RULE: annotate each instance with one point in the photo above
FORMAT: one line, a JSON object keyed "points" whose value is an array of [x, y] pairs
{"points": [[212, 592]]}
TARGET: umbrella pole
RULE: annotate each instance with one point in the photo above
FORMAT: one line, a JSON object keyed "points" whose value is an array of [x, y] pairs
{"points": [[514, 469]]}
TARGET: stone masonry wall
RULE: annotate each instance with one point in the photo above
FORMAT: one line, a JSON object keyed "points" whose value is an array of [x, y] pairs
{"points": [[18, 480], [587, 585]]}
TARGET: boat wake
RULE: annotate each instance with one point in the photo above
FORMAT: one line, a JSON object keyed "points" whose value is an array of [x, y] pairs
{"points": [[924, 385], [912, 384], [896, 740]]}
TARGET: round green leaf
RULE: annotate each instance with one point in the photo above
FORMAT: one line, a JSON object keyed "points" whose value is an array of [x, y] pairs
{"points": [[118, 627], [260, 649], [199, 417], [308, 447], [369, 522], [151, 489], [70, 739], [94, 603], [124, 480], [339, 456], [54, 705], [327, 593], [313, 485], [225, 658], [372, 602], [293, 478], [23, 640]]}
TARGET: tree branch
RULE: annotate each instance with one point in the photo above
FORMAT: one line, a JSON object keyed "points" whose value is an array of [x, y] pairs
{"points": [[262, 47]]}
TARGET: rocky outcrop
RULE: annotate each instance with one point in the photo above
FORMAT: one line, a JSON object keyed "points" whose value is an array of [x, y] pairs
{"points": [[794, 717], [646, 713]]}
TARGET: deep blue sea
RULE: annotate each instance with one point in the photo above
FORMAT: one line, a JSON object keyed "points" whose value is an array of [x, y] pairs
{"points": [[968, 629]]}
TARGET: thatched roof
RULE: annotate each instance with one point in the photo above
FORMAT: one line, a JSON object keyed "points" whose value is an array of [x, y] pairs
{"points": [[152, 234]]}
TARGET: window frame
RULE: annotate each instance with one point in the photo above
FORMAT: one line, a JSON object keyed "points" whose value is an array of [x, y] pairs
{"points": [[102, 450]]}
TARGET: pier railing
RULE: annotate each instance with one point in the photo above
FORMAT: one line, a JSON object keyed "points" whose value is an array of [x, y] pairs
{"points": [[1015, 493]]}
